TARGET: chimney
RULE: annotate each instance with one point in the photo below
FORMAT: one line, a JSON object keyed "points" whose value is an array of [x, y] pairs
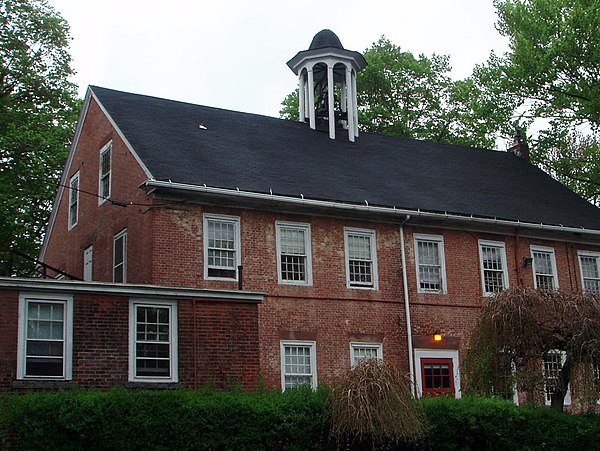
{"points": [[519, 146]]}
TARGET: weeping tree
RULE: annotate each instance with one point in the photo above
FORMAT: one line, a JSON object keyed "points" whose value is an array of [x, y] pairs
{"points": [[519, 328], [372, 407]]}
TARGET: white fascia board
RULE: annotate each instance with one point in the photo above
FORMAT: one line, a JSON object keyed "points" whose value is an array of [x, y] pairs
{"points": [[400, 212], [120, 289]]}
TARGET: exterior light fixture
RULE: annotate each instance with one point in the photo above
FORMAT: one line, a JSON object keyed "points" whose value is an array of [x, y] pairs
{"points": [[437, 336], [527, 261]]}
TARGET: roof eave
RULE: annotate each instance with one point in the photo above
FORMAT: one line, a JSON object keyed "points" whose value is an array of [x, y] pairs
{"points": [[444, 219]]}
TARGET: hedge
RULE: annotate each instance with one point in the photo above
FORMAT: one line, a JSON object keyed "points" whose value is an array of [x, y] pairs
{"points": [[123, 419]]}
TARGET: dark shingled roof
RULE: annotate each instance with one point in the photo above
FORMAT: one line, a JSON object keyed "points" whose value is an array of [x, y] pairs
{"points": [[324, 39], [259, 153]]}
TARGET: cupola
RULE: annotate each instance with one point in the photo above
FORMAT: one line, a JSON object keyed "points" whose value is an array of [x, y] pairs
{"points": [[327, 84]]}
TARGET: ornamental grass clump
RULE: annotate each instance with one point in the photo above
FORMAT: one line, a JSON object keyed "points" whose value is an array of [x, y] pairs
{"points": [[372, 405]]}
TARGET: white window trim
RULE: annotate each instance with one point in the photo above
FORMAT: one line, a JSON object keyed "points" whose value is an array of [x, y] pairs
{"points": [[440, 240], [238, 244], [71, 195], [552, 262], [308, 251], [502, 246], [313, 358], [87, 277], [362, 344], [437, 354], [589, 254], [122, 233], [373, 240], [173, 339], [567, 400], [67, 300], [101, 199]]}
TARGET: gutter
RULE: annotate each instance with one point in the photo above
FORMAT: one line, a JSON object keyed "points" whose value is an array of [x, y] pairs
{"points": [[301, 201]]}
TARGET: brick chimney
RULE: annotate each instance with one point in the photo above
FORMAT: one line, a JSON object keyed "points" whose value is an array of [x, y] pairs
{"points": [[519, 146]]}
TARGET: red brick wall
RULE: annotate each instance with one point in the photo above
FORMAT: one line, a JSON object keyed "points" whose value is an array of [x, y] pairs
{"points": [[9, 317], [329, 310], [226, 346], [98, 224]]}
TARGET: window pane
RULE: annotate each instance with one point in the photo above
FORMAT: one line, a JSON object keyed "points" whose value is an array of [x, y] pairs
{"points": [[44, 339], [590, 272], [493, 268], [297, 366], [153, 346]]}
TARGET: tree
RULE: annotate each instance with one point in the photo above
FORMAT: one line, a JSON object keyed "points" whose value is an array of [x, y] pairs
{"points": [[518, 328], [552, 72], [38, 110], [403, 95]]}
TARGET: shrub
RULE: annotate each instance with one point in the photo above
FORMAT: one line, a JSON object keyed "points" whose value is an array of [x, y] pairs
{"points": [[373, 405]]}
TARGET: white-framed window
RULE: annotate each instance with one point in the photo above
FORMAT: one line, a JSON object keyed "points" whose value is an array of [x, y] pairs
{"points": [[222, 248], [553, 362], [74, 200], [361, 350], [361, 258], [437, 372], [153, 341], [294, 265], [298, 364], [104, 173], [120, 257], [45, 343], [589, 266], [88, 264], [544, 268], [431, 264], [492, 261]]}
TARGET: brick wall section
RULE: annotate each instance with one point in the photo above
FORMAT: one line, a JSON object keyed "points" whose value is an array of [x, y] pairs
{"points": [[329, 310], [226, 343], [9, 317], [100, 341], [98, 224]]}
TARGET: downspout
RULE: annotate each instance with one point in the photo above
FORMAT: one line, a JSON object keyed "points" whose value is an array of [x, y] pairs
{"points": [[407, 307], [195, 346]]}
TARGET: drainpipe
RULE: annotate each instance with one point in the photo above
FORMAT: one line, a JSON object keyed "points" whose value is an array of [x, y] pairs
{"points": [[407, 307], [195, 345]]}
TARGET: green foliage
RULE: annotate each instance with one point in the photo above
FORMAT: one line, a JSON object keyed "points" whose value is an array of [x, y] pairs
{"points": [[496, 424], [295, 420], [38, 110], [552, 72], [373, 405], [518, 327], [165, 420]]}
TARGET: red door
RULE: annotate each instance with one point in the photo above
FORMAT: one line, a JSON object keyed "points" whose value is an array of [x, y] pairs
{"points": [[437, 376]]}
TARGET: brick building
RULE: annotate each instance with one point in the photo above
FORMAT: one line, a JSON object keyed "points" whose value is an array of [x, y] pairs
{"points": [[218, 246]]}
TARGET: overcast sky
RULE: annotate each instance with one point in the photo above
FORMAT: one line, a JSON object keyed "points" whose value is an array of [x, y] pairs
{"points": [[232, 54]]}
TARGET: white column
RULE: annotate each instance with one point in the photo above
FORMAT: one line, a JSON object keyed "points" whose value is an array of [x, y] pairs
{"points": [[301, 97], [311, 99], [331, 100], [355, 103], [350, 98], [344, 97]]}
